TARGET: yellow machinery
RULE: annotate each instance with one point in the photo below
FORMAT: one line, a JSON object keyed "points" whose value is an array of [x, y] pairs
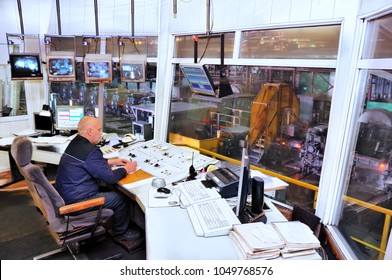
{"points": [[276, 105]]}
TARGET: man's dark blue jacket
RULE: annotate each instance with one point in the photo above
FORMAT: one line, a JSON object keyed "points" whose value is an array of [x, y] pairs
{"points": [[81, 169]]}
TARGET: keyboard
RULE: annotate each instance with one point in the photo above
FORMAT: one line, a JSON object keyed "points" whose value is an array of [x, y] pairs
{"points": [[212, 218], [194, 191]]}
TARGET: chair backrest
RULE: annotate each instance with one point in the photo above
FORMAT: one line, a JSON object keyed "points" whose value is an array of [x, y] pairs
{"points": [[45, 196]]}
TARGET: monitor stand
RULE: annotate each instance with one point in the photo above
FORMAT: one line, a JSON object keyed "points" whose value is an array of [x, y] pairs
{"points": [[248, 216]]}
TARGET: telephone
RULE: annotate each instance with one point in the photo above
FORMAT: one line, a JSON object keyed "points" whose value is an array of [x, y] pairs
{"points": [[128, 138], [225, 180]]}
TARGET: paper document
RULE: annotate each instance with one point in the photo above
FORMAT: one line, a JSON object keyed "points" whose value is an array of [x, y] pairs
{"points": [[6, 141], [27, 132], [262, 241], [270, 183], [57, 139]]}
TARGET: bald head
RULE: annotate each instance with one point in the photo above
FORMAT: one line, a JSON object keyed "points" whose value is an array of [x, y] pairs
{"points": [[90, 128]]}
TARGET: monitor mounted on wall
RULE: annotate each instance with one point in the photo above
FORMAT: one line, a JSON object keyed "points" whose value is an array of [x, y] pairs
{"points": [[25, 66], [61, 66], [201, 82], [98, 68], [133, 68]]}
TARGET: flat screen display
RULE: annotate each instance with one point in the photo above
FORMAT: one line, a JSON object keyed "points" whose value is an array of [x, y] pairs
{"points": [[68, 117], [25, 66], [199, 79]]}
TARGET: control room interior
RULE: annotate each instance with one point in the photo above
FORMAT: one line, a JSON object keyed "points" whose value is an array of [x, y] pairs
{"points": [[302, 88]]}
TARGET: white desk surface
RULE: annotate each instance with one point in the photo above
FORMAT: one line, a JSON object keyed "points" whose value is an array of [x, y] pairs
{"points": [[169, 231]]}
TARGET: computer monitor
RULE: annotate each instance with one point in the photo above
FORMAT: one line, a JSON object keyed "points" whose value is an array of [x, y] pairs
{"points": [[199, 79], [61, 66], [25, 66], [247, 186], [98, 68], [43, 124], [68, 117], [133, 68], [243, 186]]}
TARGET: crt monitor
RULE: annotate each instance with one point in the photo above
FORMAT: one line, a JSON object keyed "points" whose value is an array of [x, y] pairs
{"points": [[98, 68], [133, 68], [68, 117], [43, 124], [61, 66]]}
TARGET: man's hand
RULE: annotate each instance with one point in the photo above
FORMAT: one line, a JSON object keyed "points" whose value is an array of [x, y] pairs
{"points": [[118, 161], [130, 166]]}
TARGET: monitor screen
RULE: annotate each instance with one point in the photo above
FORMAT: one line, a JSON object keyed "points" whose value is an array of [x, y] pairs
{"points": [[61, 66], [243, 185], [25, 66], [132, 72], [133, 68], [43, 124], [199, 79], [98, 68], [68, 117]]}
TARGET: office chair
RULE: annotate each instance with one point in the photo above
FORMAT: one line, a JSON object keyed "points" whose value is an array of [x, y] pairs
{"points": [[67, 226], [307, 216]]}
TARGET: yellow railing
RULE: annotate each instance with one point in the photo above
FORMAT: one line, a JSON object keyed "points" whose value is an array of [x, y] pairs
{"points": [[382, 210]]}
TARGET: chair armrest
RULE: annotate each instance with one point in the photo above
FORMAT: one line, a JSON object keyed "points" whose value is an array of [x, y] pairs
{"points": [[75, 207]]}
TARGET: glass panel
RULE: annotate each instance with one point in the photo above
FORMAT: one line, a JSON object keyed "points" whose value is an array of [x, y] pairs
{"points": [[12, 94], [371, 175], [284, 110], [319, 42], [378, 39], [119, 99], [208, 48]]}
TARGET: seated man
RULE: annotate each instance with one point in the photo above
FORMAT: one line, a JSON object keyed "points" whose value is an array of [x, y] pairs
{"points": [[82, 167]]}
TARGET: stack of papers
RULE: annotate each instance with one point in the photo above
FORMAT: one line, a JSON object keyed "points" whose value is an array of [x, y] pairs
{"points": [[268, 241], [256, 241], [298, 237]]}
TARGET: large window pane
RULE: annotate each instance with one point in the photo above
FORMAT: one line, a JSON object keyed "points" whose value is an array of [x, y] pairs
{"points": [[319, 42], [119, 99], [371, 174], [379, 43], [12, 94], [207, 47], [290, 132]]}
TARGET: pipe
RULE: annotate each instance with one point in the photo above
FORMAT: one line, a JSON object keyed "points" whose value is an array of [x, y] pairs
{"points": [[174, 8], [58, 16], [96, 17], [133, 17], [20, 17], [208, 17]]}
